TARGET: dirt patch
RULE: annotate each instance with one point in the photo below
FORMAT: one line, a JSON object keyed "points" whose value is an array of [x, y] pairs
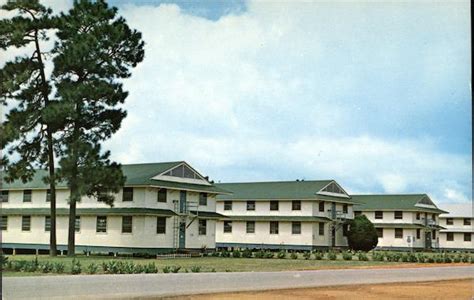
{"points": [[450, 289]]}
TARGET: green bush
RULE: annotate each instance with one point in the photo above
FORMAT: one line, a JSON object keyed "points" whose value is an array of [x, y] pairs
{"points": [[430, 259], [404, 258], [268, 254], [332, 255], [215, 254], [151, 268], [361, 256], [167, 269], [457, 259], [307, 255], [439, 259], [412, 257], [138, 269], [58, 267], [377, 256], [281, 254], [247, 253], [347, 255], [259, 254], [447, 259], [362, 234], [3, 261], [29, 266], [236, 254], [213, 270], [195, 269], [421, 258], [76, 267], [46, 267], [318, 255], [175, 269], [465, 258], [225, 253], [293, 255], [92, 268]]}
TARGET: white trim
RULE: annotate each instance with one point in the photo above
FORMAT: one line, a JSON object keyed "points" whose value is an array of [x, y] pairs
{"points": [[321, 192], [202, 180]]}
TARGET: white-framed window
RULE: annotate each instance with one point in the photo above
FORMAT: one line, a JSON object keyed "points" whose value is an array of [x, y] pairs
{"points": [[202, 227], [127, 194], [161, 225], [127, 224], [227, 226], [274, 227], [25, 223], [101, 224], [295, 227], [250, 227]]}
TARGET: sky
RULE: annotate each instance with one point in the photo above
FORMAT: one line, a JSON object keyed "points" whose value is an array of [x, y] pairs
{"points": [[374, 95]]}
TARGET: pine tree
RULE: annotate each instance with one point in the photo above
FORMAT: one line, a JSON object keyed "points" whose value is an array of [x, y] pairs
{"points": [[95, 49], [27, 130]]}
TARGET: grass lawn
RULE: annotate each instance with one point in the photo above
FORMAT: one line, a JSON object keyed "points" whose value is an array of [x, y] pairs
{"points": [[207, 264]]}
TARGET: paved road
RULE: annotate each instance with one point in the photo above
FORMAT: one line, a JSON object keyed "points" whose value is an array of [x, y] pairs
{"points": [[144, 285]]}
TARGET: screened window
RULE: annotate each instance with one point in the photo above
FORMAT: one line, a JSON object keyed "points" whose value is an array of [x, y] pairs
{"points": [[450, 236], [161, 225], [273, 227], [48, 195], [227, 205], [27, 196], [379, 214], [379, 232], [183, 172], [127, 194], [345, 229], [250, 205], [250, 227], [399, 233], [25, 223], [296, 205], [418, 234], [333, 188], [321, 206], [162, 194], [77, 224], [467, 221], [273, 205], [203, 199], [417, 216], [398, 215], [227, 226], [296, 227], [467, 237], [449, 221], [345, 209], [202, 227], [127, 224], [321, 228], [47, 223], [4, 196], [4, 223], [101, 224]]}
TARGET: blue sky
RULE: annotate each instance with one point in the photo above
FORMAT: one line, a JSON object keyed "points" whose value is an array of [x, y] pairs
{"points": [[374, 95]]}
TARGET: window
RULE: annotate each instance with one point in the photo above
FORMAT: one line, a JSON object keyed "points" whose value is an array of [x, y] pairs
{"points": [[183, 172], [161, 225], [250, 205], [467, 222], [47, 223], [250, 227], [101, 224], [467, 237], [321, 206], [345, 209], [321, 228], [379, 214], [4, 223], [127, 224], [4, 196], [296, 227], [162, 193], [379, 232], [27, 196], [227, 205], [273, 205], [202, 227], [398, 215], [333, 188], [418, 234], [399, 233], [357, 213], [449, 221], [417, 216], [48, 195], [77, 224], [345, 229], [433, 217], [227, 226], [434, 235], [296, 205], [203, 199], [273, 227], [127, 194], [25, 223], [450, 236]]}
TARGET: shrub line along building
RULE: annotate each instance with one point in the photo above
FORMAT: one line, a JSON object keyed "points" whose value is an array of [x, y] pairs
{"points": [[168, 207]]}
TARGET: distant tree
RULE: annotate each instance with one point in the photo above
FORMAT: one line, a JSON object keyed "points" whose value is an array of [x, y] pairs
{"points": [[27, 131], [95, 49], [362, 234]]}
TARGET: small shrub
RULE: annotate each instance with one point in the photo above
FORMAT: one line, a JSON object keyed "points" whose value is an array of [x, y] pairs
{"points": [[215, 254], [457, 259], [225, 253], [3, 261], [166, 269], [318, 255], [332, 255], [361, 256], [151, 268], [465, 258], [236, 254], [347, 255], [439, 259], [58, 267], [46, 267], [293, 255], [421, 258], [92, 268], [307, 255], [430, 260], [76, 267], [195, 269], [376, 256], [281, 254], [228, 270], [138, 269], [404, 258], [247, 253], [268, 254], [213, 270], [412, 257], [260, 254], [447, 259], [175, 269]]}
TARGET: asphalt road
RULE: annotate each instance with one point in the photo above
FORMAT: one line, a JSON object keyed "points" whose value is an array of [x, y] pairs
{"points": [[148, 285]]}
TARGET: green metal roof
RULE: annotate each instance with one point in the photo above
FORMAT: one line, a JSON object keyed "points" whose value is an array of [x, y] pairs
{"points": [[278, 190], [207, 214], [90, 211], [404, 202], [136, 175], [398, 225], [279, 218]]}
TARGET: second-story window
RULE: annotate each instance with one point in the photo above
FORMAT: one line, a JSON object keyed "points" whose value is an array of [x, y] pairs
{"points": [[295, 227], [101, 224], [250, 227], [345, 209], [227, 226], [203, 199], [296, 205], [250, 205], [162, 194], [48, 195], [227, 205], [449, 221], [379, 215], [127, 224], [399, 233], [418, 234], [47, 223], [450, 236], [398, 215], [25, 223], [467, 222], [321, 206], [433, 217], [321, 229], [127, 194], [273, 227], [273, 205], [467, 236], [27, 196], [4, 196], [417, 216], [161, 225]]}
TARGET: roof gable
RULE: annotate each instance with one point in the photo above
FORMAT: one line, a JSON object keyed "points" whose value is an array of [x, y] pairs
{"points": [[418, 202], [334, 189], [182, 173]]}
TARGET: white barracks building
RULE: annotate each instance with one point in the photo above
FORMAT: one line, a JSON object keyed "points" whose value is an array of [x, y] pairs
{"points": [[458, 226], [163, 207]]}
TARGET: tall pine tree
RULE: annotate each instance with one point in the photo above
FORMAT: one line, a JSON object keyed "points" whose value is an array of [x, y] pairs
{"points": [[28, 131], [95, 49]]}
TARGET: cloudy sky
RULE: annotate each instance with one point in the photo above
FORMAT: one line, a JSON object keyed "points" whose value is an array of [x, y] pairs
{"points": [[376, 96]]}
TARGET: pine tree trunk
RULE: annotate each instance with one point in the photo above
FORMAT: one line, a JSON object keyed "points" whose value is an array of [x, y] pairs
{"points": [[71, 242]]}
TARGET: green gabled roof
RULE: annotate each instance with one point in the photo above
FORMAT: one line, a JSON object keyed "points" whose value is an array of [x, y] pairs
{"points": [[278, 190], [136, 175], [406, 202], [91, 211], [207, 214], [278, 218]]}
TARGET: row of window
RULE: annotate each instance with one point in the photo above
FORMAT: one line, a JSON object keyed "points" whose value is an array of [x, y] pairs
{"points": [[275, 205], [127, 196], [101, 224], [450, 236], [274, 227], [466, 221], [399, 233]]}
